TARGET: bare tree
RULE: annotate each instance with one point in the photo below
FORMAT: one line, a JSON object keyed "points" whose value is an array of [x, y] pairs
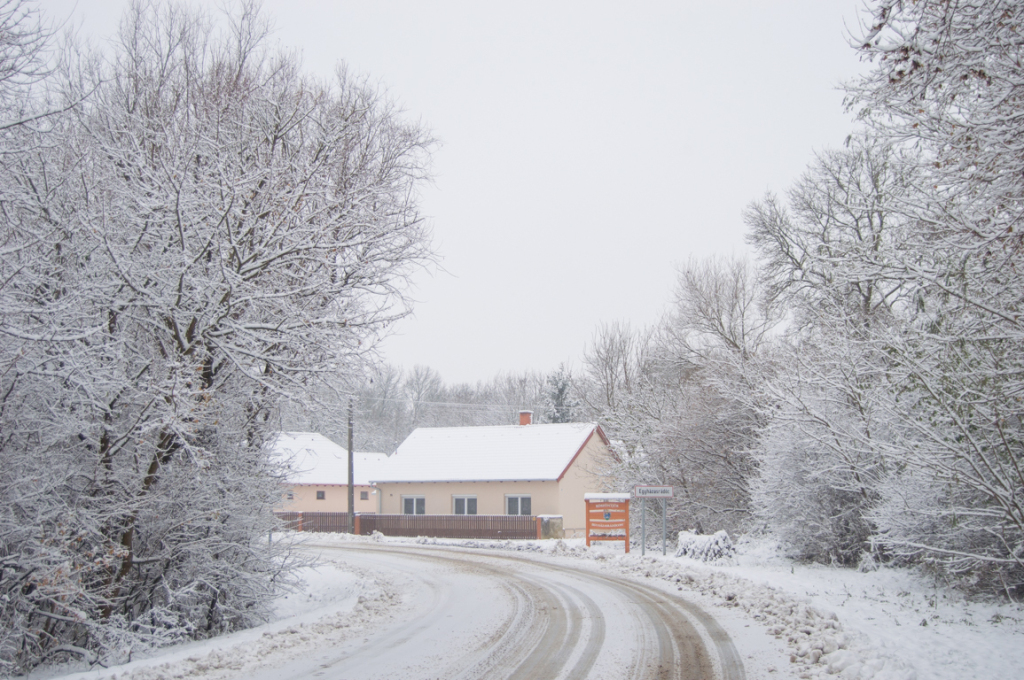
{"points": [[25, 44], [719, 305], [679, 399], [947, 83], [424, 390], [207, 235], [615, 362], [823, 455], [717, 339]]}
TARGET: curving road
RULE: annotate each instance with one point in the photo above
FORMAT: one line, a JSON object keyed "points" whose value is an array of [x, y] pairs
{"points": [[474, 614]]}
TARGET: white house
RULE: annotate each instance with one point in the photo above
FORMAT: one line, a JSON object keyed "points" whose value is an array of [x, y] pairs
{"points": [[521, 469], [318, 481]]}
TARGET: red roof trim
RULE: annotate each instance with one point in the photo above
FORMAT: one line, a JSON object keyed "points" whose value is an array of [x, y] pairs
{"points": [[597, 429]]}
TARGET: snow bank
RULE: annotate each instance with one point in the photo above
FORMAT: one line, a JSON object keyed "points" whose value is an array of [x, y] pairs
{"points": [[714, 548], [817, 643], [334, 603]]}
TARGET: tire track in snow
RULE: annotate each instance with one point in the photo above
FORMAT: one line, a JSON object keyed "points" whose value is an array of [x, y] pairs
{"points": [[687, 643], [530, 642], [595, 639], [688, 624]]}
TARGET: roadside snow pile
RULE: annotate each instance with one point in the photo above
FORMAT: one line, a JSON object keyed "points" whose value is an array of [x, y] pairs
{"points": [[819, 647], [514, 546], [565, 550], [337, 602], [294, 640], [714, 548]]}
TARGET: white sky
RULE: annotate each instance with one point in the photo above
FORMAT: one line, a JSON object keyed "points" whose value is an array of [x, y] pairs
{"points": [[587, 148]]}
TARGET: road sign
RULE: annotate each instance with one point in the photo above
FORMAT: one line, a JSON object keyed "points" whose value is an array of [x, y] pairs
{"points": [[645, 491], [607, 517]]}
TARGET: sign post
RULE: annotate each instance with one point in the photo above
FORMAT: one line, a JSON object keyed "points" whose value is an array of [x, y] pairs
{"points": [[607, 517], [643, 492]]}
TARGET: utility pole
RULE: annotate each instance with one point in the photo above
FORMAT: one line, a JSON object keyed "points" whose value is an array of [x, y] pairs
{"points": [[351, 476]]}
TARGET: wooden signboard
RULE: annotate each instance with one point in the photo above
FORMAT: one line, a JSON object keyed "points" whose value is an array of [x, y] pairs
{"points": [[607, 517]]}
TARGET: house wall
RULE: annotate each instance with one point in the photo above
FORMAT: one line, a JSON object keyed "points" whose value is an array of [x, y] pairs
{"points": [[490, 496], [335, 498], [583, 476], [563, 497]]}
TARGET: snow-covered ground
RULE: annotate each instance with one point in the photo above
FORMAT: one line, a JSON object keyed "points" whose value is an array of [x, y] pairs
{"points": [[788, 620], [897, 614], [332, 605]]}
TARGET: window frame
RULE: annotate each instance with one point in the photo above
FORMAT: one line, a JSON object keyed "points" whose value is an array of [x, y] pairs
{"points": [[519, 497], [466, 498], [364, 495], [419, 503], [321, 495]]}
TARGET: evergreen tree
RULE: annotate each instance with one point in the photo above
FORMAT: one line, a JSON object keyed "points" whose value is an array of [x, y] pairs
{"points": [[560, 404]]}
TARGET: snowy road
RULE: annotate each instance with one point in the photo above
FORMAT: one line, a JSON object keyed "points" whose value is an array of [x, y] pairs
{"points": [[469, 614]]}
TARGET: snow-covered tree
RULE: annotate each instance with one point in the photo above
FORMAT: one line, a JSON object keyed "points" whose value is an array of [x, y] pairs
{"points": [[205, 234], [25, 44], [680, 399], [560, 402], [715, 348], [821, 459], [947, 81], [900, 424]]}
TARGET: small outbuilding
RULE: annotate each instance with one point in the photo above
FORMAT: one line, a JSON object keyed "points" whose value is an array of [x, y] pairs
{"points": [[523, 469]]}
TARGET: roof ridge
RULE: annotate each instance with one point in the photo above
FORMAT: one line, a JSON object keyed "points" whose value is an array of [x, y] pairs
{"points": [[498, 427]]}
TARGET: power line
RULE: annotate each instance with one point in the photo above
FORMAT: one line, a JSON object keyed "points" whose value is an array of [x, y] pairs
{"points": [[475, 405]]}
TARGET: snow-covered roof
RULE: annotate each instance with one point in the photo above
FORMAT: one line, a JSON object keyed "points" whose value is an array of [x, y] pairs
{"points": [[315, 459], [502, 453]]}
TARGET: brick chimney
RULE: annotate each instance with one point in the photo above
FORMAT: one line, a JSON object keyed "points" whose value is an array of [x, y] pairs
{"points": [[526, 417]]}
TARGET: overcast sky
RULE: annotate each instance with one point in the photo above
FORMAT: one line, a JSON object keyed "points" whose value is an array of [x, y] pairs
{"points": [[586, 148]]}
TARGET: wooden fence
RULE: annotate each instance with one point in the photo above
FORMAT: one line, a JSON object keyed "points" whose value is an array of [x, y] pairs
{"points": [[328, 522], [435, 526], [451, 526]]}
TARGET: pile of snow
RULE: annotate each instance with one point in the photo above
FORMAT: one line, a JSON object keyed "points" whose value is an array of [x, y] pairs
{"points": [[897, 613], [817, 644], [714, 548], [496, 544], [334, 603]]}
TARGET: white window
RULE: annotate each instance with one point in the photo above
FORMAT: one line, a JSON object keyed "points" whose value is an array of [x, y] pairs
{"points": [[364, 495], [414, 505], [320, 495], [518, 505], [464, 505]]}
